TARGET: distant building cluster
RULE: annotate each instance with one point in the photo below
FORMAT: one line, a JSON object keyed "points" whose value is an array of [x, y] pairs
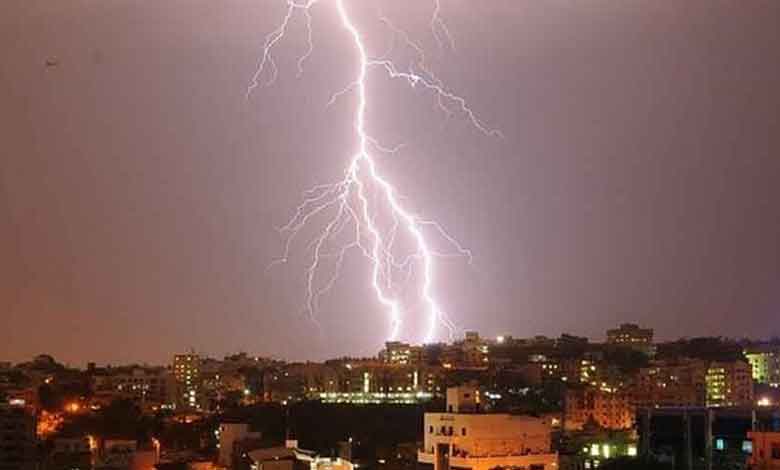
{"points": [[503, 403]]}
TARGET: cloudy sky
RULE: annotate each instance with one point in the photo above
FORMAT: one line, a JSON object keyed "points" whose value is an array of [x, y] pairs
{"points": [[140, 190]]}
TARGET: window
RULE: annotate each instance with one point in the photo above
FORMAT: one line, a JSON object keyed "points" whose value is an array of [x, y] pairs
{"points": [[462, 431], [747, 447], [720, 444], [430, 429], [775, 451]]}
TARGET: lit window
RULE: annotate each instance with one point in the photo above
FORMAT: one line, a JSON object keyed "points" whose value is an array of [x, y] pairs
{"points": [[747, 447], [720, 444]]}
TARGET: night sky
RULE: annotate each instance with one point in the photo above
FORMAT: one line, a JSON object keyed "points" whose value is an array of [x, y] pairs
{"points": [[638, 180]]}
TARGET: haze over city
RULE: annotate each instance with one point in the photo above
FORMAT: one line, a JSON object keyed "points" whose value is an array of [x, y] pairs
{"points": [[141, 191]]}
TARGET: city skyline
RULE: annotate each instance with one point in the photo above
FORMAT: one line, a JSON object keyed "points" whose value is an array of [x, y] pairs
{"points": [[140, 190]]}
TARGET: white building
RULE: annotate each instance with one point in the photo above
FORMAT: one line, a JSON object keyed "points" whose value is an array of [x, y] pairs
{"points": [[290, 457], [466, 439]]}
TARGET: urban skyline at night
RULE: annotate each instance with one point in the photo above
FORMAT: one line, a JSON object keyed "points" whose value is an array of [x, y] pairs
{"points": [[141, 190], [389, 235]]}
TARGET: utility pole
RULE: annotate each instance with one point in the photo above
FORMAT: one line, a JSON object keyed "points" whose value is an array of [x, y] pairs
{"points": [[688, 439]]}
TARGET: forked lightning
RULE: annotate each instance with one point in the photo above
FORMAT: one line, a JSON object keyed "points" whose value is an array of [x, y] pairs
{"points": [[349, 204]]}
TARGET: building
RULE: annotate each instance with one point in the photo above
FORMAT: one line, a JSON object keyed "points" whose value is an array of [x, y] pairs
{"points": [[70, 453], [17, 438], [765, 451], [475, 350], [124, 454], [611, 410], [230, 436], [729, 384], [357, 382], [290, 457], [765, 364], [671, 384], [466, 439], [385, 384], [186, 371], [401, 354], [154, 386], [632, 336]]}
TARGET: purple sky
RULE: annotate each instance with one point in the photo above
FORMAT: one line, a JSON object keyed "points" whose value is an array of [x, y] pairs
{"points": [[639, 179]]}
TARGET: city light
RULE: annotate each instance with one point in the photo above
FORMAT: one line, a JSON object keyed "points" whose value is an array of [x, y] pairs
{"points": [[72, 407], [764, 401]]}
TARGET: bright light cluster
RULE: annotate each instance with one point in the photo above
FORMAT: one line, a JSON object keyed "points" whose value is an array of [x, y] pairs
{"points": [[363, 210]]}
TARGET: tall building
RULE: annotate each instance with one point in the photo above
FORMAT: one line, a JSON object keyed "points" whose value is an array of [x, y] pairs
{"points": [[475, 350], [630, 335], [186, 371], [148, 385], [765, 364], [729, 384], [671, 384], [610, 410], [401, 354], [466, 439], [17, 438]]}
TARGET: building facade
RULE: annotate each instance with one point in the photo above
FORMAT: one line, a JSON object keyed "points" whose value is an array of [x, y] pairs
{"points": [[671, 384], [765, 453], [729, 384], [630, 335], [765, 364], [610, 410], [186, 371], [467, 439], [17, 438], [401, 354]]}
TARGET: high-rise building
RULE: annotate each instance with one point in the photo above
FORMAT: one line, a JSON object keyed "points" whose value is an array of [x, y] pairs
{"points": [[186, 371], [470, 440], [765, 364], [610, 409], [17, 438], [671, 384], [729, 384], [475, 350], [632, 336], [401, 354], [148, 385]]}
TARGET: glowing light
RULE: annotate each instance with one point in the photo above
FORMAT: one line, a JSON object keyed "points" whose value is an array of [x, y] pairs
{"points": [[765, 401], [350, 201], [92, 443]]}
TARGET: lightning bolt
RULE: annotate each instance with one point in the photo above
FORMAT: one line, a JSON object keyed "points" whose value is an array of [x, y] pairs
{"points": [[355, 202]]}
